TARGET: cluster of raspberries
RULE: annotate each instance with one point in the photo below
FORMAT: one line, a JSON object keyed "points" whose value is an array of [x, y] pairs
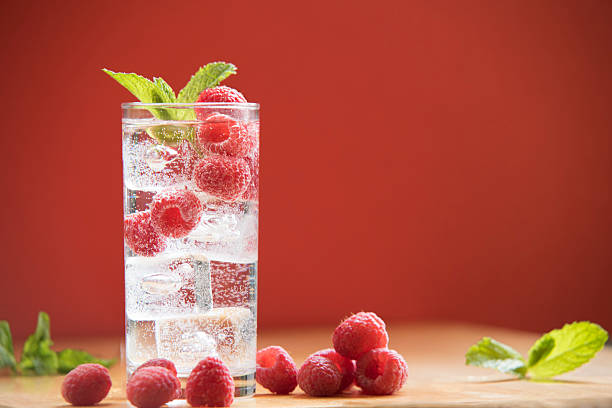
{"points": [[229, 171], [154, 384], [360, 355]]}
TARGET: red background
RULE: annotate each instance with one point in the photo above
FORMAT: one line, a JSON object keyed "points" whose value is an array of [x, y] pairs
{"points": [[423, 159]]}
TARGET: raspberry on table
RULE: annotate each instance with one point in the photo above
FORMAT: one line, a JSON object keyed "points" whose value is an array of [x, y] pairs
{"points": [[141, 236], [359, 334], [152, 387], [276, 370], [175, 213], [221, 94], [221, 134], [222, 176], [345, 365], [210, 384], [381, 372], [167, 364], [159, 362], [319, 377], [86, 384]]}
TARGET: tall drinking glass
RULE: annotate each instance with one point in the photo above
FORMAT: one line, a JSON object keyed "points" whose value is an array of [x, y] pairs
{"points": [[190, 182]]}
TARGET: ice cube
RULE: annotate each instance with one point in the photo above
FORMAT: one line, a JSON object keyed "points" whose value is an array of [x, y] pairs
{"points": [[167, 284], [140, 342], [161, 283], [182, 341], [227, 231], [148, 165], [158, 156], [187, 338]]}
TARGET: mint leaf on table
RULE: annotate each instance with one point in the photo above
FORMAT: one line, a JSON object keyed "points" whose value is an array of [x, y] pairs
{"points": [[37, 357], [68, 359], [7, 354], [573, 345], [555, 353], [490, 353], [208, 76], [540, 349]]}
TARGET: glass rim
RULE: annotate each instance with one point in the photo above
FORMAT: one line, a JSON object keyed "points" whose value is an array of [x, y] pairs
{"points": [[228, 105]]}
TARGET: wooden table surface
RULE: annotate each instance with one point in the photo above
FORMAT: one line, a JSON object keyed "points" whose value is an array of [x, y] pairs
{"points": [[437, 374]]}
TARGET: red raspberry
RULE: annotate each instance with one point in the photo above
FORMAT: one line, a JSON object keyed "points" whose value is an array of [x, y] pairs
{"points": [[168, 365], [141, 236], [359, 334], [221, 94], [87, 384], [152, 387], [223, 135], [223, 177], [345, 365], [276, 370], [381, 372], [319, 377], [252, 192], [160, 362], [210, 384], [175, 213]]}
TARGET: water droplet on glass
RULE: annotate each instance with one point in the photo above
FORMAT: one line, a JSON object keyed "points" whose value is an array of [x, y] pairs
{"points": [[161, 284], [158, 156]]}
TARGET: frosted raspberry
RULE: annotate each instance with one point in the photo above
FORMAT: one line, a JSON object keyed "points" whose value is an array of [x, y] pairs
{"points": [[276, 370], [345, 365], [223, 135], [319, 377], [210, 384], [175, 213], [221, 94], [252, 191], [87, 384], [152, 387], [168, 365], [141, 236], [223, 177], [160, 362], [381, 371], [359, 334]]}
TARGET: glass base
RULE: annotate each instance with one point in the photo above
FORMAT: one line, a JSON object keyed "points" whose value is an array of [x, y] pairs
{"points": [[245, 385]]}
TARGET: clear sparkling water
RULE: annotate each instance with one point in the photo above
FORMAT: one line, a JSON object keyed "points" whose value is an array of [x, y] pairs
{"points": [[197, 298]]}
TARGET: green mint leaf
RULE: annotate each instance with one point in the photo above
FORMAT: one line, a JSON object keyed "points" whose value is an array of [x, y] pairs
{"points": [[574, 345], [7, 354], [37, 357], [540, 349], [208, 76], [164, 90], [68, 359], [490, 353], [146, 91], [141, 87]]}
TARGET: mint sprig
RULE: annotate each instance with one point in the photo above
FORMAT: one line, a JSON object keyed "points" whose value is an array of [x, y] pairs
{"points": [[7, 355], [209, 76], [159, 91], [37, 357], [556, 352], [490, 353]]}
